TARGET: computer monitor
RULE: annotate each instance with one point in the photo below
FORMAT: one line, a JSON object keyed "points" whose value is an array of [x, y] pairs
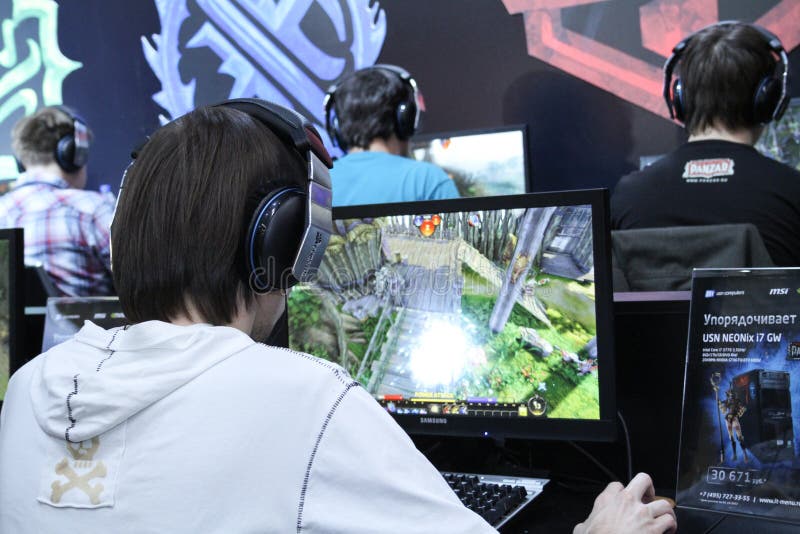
{"points": [[471, 317], [11, 265], [65, 316], [481, 162], [781, 139], [646, 161]]}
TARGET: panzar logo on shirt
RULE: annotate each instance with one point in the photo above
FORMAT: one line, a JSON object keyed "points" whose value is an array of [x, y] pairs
{"points": [[708, 171], [82, 471]]}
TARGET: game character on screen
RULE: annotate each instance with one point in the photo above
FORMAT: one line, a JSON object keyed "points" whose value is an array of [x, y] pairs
{"points": [[66, 227], [370, 115], [730, 81], [520, 266]]}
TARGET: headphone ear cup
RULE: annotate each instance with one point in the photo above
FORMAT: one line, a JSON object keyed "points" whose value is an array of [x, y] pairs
{"points": [[677, 100], [406, 117], [65, 153], [335, 134], [766, 99], [272, 238]]}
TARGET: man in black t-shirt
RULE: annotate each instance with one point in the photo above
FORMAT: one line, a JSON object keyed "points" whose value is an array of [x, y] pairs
{"points": [[730, 85]]}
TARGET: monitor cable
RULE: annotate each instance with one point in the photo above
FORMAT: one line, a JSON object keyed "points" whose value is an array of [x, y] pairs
{"points": [[628, 451], [714, 525], [595, 461]]}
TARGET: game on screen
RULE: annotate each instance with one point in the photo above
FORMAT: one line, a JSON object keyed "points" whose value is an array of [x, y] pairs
{"points": [[481, 313]]}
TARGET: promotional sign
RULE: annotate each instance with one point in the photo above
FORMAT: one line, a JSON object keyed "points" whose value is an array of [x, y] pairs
{"points": [[738, 450]]}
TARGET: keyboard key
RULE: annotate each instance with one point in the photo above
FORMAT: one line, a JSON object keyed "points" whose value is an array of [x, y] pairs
{"points": [[495, 498]]}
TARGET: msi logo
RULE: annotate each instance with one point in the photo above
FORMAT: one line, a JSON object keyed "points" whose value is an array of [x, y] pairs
{"points": [[662, 24]]}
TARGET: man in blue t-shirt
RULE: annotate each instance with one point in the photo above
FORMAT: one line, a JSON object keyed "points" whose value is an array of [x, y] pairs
{"points": [[371, 114]]}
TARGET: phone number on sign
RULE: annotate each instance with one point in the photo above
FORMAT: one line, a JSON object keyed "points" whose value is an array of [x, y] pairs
{"points": [[724, 496]]}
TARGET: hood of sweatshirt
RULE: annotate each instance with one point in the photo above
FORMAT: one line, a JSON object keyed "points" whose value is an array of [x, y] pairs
{"points": [[100, 378]]}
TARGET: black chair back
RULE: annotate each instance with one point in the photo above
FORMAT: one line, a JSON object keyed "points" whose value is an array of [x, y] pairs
{"points": [[38, 286], [662, 259]]}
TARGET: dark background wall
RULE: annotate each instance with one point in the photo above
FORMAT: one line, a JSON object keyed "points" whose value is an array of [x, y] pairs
{"points": [[469, 56], [471, 61]]}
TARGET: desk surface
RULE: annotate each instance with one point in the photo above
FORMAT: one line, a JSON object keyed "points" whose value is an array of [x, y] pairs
{"points": [[560, 507], [652, 296]]}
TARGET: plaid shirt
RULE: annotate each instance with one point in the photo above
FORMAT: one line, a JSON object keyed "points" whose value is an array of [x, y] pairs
{"points": [[66, 230]]}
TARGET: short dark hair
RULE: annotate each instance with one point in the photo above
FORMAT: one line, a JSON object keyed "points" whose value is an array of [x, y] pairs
{"points": [[185, 206], [366, 104], [35, 137], [720, 70]]}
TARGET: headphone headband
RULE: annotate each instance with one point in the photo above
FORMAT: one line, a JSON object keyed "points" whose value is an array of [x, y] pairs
{"points": [[291, 127], [770, 39], [400, 72]]}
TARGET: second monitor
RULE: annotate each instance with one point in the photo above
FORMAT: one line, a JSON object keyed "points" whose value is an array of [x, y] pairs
{"points": [[484, 162], [478, 317]]}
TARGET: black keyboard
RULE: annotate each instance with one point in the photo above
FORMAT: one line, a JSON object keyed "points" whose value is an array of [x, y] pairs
{"points": [[495, 498]]}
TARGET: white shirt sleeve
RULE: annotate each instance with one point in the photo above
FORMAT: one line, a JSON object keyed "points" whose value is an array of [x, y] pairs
{"points": [[366, 476]]}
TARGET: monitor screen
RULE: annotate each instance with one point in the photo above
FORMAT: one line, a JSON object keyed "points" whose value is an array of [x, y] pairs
{"points": [[488, 317], [480, 162], [11, 265], [65, 316], [781, 139], [646, 161]]}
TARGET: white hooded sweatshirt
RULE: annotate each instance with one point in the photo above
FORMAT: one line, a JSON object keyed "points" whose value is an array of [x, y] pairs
{"points": [[160, 428]]}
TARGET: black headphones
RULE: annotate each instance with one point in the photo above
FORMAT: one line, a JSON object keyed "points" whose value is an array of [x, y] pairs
{"points": [[290, 227], [72, 150], [406, 115], [770, 98]]}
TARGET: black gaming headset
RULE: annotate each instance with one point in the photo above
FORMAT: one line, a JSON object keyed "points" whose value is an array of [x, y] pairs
{"points": [[406, 115], [72, 150], [770, 98], [289, 229]]}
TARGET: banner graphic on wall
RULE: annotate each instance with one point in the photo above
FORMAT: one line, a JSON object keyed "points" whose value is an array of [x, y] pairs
{"points": [[258, 48], [633, 70], [32, 67]]}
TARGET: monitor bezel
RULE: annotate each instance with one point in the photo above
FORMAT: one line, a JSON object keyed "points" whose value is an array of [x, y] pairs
{"points": [[793, 102], [602, 429], [16, 266], [522, 127]]}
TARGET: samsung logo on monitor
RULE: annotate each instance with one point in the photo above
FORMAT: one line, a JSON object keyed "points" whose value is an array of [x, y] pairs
{"points": [[433, 420]]}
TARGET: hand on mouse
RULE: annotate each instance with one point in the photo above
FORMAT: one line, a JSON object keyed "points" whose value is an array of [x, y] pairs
{"points": [[629, 510]]}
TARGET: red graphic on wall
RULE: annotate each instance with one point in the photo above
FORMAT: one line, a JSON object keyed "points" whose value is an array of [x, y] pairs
{"points": [[663, 23]]}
